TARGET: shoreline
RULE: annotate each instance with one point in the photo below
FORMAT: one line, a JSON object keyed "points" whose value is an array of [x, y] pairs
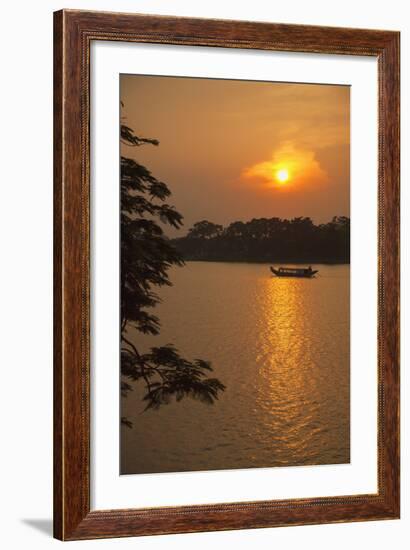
{"points": [[281, 262]]}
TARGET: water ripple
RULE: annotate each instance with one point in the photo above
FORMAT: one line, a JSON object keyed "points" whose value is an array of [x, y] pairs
{"points": [[281, 346]]}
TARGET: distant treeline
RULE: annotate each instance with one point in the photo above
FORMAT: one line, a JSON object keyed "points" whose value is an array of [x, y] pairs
{"points": [[268, 240]]}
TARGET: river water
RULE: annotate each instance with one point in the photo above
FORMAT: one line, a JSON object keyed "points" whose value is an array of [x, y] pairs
{"points": [[280, 346]]}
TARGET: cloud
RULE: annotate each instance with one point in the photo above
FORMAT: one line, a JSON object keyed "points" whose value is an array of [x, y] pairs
{"points": [[301, 164]]}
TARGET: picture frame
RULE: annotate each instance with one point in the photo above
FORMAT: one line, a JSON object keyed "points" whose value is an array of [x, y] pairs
{"points": [[74, 32]]}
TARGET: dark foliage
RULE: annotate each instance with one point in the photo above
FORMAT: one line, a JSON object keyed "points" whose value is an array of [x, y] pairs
{"points": [[205, 230], [268, 240], [146, 256]]}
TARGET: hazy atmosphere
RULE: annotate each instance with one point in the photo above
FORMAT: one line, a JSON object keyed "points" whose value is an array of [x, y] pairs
{"points": [[222, 141], [235, 274]]}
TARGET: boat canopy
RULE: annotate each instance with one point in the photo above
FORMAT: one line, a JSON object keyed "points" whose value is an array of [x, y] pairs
{"points": [[294, 269]]}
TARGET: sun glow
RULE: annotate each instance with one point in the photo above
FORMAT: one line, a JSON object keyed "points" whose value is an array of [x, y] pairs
{"points": [[282, 175], [288, 168]]}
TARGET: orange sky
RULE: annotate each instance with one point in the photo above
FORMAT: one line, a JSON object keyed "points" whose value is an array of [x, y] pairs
{"points": [[223, 142]]}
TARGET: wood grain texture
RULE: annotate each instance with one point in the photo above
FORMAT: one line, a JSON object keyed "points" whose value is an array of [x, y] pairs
{"points": [[73, 33], [57, 302]]}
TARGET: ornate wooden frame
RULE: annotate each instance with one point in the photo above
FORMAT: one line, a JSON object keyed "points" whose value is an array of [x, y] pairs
{"points": [[73, 33]]}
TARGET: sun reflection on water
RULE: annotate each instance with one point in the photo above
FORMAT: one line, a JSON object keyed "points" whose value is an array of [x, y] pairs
{"points": [[289, 383]]}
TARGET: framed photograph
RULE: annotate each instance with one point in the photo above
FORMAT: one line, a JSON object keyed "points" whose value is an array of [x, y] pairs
{"points": [[226, 275]]}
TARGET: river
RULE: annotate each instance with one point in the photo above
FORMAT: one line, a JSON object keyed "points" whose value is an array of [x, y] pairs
{"points": [[280, 346]]}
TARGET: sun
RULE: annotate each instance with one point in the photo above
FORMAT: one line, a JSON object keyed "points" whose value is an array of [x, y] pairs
{"points": [[282, 175]]}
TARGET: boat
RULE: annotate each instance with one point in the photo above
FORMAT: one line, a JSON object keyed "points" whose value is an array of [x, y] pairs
{"points": [[306, 272]]}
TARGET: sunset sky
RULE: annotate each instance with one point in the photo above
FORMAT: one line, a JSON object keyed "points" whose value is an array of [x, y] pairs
{"points": [[236, 150]]}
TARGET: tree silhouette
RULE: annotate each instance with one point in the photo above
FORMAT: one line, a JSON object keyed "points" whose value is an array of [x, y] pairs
{"points": [[146, 256], [268, 240], [205, 230]]}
